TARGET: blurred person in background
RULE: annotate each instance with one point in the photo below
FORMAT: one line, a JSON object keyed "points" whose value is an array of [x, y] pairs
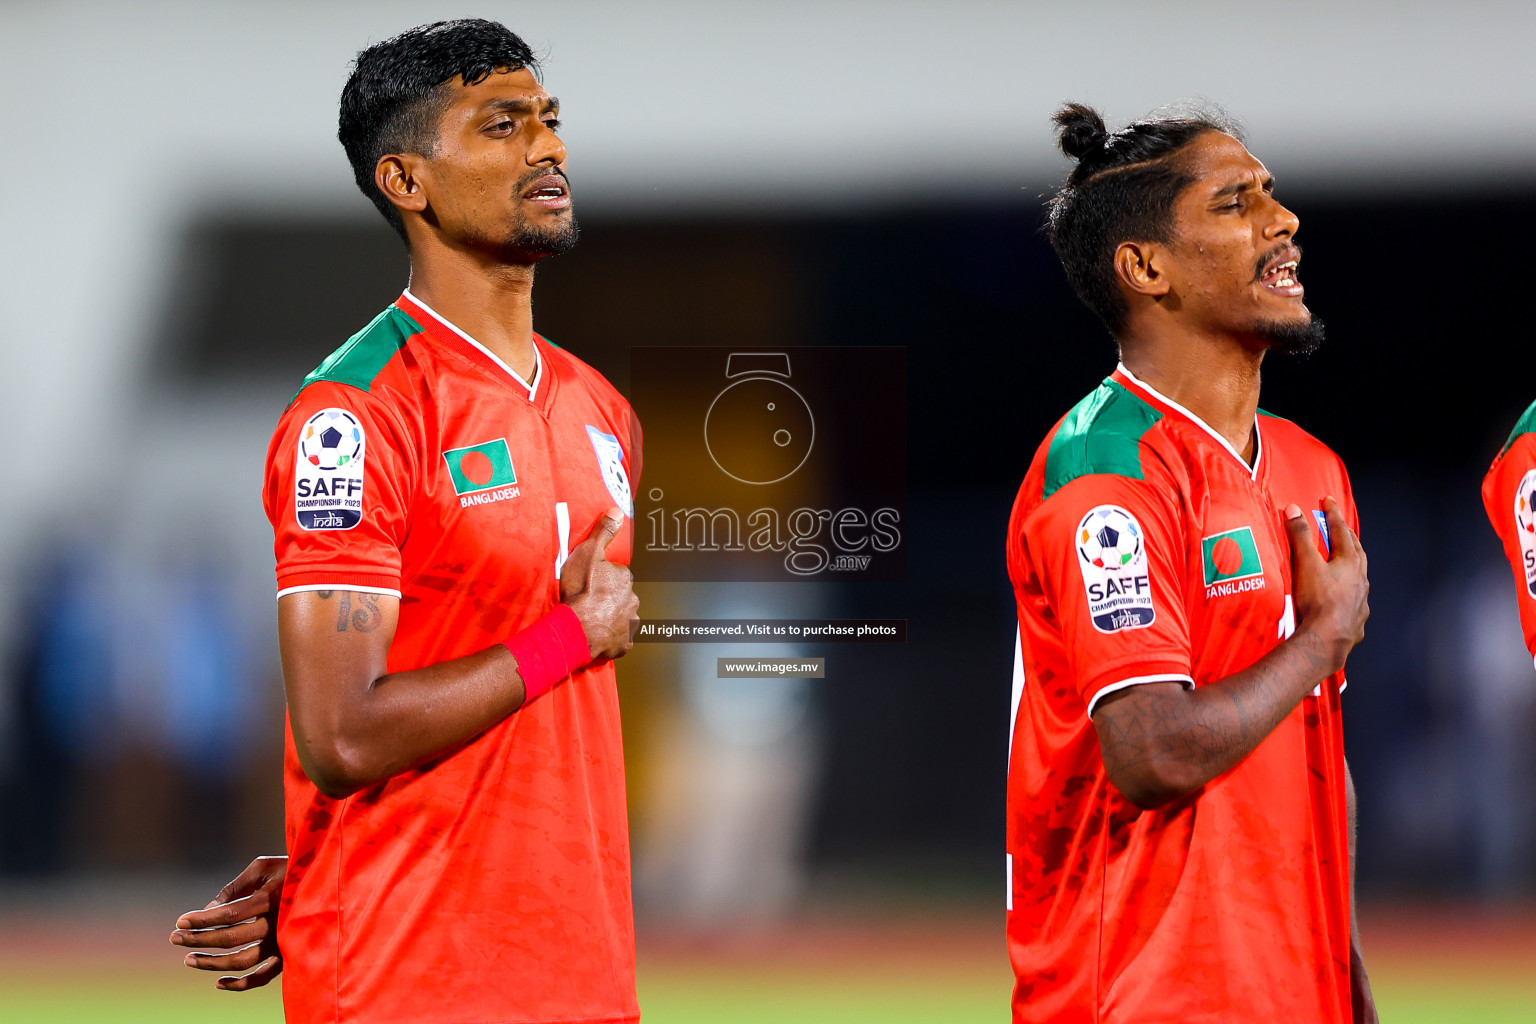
{"points": [[736, 774], [1180, 815], [1487, 677], [456, 823]]}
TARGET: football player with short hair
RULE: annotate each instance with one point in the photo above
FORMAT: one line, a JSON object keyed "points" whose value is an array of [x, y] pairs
{"points": [[1189, 582], [451, 499]]}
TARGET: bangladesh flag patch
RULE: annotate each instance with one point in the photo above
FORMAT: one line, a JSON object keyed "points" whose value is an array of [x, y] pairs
{"points": [[1232, 555], [480, 467]]}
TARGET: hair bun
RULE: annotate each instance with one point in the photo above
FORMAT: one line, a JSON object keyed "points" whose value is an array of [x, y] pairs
{"points": [[1079, 130]]}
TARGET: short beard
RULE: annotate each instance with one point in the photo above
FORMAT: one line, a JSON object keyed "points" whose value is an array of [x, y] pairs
{"points": [[527, 244], [1291, 337]]}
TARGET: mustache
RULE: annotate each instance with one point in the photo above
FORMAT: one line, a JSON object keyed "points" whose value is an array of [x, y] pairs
{"points": [[540, 172], [1268, 257]]}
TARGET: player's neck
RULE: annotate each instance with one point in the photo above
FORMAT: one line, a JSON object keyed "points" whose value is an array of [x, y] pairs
{"points": [[491, 302], [1216, 379]]}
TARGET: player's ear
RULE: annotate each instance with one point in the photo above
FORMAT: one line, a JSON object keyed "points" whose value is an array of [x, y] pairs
{"points": [[400, 176], [1139, 266]]}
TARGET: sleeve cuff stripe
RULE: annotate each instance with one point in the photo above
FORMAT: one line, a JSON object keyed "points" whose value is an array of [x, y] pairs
{"points": [[338, 586], [1189, 684]]}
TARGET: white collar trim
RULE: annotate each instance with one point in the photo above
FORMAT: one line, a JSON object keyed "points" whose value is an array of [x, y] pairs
{"points": [[1258, 443], [538, 359]]}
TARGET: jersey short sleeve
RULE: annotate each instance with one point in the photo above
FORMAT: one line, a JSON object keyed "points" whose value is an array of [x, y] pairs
{"points": [[339, 476], [1509, 491], [1111, 553]]}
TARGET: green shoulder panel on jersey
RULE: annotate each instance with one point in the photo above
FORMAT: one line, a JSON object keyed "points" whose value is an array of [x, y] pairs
{"points": [[1102, 434], [1266, 412], [1525, 425], [359, 361]]}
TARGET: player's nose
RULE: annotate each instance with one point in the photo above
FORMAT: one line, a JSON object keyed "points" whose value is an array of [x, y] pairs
{"points": [[546, 149], [1282, 222]]}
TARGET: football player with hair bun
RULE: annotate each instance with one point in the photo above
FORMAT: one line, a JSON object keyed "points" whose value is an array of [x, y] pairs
{"points": [[450, 495], [1189, 581]]}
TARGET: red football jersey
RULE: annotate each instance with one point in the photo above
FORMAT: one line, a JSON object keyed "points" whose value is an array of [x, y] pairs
{"points": [[491, 883], [1508, 492], [1143, 548]]}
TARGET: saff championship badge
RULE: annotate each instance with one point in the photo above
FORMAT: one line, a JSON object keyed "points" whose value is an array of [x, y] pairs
{"points": [[1525, 526], [328, 473], [1112, 555]]}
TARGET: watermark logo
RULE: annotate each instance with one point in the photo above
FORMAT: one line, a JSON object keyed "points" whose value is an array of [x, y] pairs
{"points": [[759, 429], [771, 464]]}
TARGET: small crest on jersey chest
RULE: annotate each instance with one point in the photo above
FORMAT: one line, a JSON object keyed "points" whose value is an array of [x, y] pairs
{"points": [[610, 461], [1112, 556]]}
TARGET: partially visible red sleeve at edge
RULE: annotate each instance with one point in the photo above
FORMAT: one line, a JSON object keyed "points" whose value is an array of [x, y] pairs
{"points": [[1508, 492]]}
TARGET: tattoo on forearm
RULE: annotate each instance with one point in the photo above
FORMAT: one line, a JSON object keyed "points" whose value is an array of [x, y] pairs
{"points": [[365, 618]]}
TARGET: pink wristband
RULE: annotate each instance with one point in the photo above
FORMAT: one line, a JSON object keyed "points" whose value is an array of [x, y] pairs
{"points": [[549, 650]]}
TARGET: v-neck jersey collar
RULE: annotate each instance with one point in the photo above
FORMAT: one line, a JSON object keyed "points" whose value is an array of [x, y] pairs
{"points": [[451, 332], [1147, 390]]}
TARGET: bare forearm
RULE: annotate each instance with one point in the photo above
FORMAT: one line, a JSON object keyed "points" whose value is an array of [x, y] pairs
{"points": [[406, 718], [354, 722], [1161, 742]]}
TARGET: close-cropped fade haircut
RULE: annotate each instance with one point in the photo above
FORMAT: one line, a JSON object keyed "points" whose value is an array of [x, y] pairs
{"points": [[396, 94], [1122, 190]]}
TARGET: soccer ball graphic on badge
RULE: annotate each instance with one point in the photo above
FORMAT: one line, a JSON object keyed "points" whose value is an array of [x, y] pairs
{"points": [[1109, 539], [759, 430], [1525, 506], [331, 439]]}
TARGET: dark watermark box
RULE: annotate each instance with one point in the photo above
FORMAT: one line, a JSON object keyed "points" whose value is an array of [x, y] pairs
{"points": [[769, 465]]}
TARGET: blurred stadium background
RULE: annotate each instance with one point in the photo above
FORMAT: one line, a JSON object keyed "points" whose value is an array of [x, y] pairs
{"points": [[186, 243]]}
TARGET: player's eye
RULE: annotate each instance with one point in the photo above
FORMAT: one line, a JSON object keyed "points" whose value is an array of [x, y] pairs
{"points": [[553, 124], [503, 127]]}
